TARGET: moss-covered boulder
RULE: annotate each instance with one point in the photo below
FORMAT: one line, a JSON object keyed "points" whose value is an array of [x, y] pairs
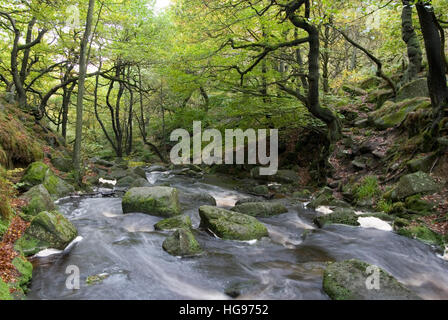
{"points": [[349, 279], [231, 225], [158, 201], [415, 183], [413, 89], [340, 216], [25, 272], [380, 96], [49, 229], [57, 187], [392, 114], [417, 205], [422, 233], [260, 209], [173, 223], [322, 198], [34, 175], [182, 243], [4, 291], [423, 163], [139, 171], [38, 199]]}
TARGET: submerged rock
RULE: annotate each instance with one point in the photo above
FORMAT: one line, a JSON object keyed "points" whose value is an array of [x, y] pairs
{"points": [[231, 225], [260, 209], [49, 229], [349, 280], [38, 199], [173, 223], [421, 233], [158, 201], [182, 243], [340, 216]]}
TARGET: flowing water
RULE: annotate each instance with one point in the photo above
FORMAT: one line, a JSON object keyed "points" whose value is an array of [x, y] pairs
{"points": [[287, 265]]}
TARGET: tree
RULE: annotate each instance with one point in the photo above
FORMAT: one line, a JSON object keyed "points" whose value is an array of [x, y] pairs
{"points": [[412, 42], [83, 61]]}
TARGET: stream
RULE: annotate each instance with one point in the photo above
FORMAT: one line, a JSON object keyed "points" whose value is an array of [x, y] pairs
{"points": [[287, 265]]}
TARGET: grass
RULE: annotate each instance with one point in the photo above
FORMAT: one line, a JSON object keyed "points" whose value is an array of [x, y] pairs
{"points": [[369, 188]]}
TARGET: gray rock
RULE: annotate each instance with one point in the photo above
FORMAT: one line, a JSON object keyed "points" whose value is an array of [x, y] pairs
{"points": [[182, 243], [158, 201], [347, 280], [260, 209], [415, 183]]}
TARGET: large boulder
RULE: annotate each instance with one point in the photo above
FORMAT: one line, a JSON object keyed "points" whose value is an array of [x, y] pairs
{"points": [[57, 187], [182, 243], [49, 229], [38, 199], [393, 114], [413, 89], [177, 222], [260, 209], [231, 225], [415, 183], [349, 280], [158, 201], [34, 175]]}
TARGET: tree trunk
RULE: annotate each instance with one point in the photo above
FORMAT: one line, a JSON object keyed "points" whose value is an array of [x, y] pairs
{"points": [[83, 60], [436, 77], [412, 43]]}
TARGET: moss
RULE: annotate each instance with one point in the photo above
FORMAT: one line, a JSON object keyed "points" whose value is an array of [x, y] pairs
{"points": [[182, 243], [367, 189], [4, 291], [95, 279], [384, 206], [35, 174], [260, 209], [47, 230], [174, 223], [57, 187], [422, 233], [416, 205], [25, 269], [38, 200], [341, 216], [159, 201], [231, 225]]}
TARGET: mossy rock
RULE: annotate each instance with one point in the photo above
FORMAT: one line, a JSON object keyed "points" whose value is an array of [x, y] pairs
{"points": [[392, 114], [127, 181], [182, 243], [413, 89], [57, 187], [380, 96], [34, 175], [140, 183], [347, 280], [4, 291], [139, 171], [174, 223], [282, 176], [422, 233], [231, 225], [25, 268], [260, 209], [415, 183], [96, 279], [340, 216], [39, 199], [417, 205], [302, 194], [158, 201], [47, 230], [261, 189], [322, 198], [423, 164]]}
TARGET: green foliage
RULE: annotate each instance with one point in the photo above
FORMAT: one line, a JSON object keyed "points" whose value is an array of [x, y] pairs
{"points": [[368, 188]]}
